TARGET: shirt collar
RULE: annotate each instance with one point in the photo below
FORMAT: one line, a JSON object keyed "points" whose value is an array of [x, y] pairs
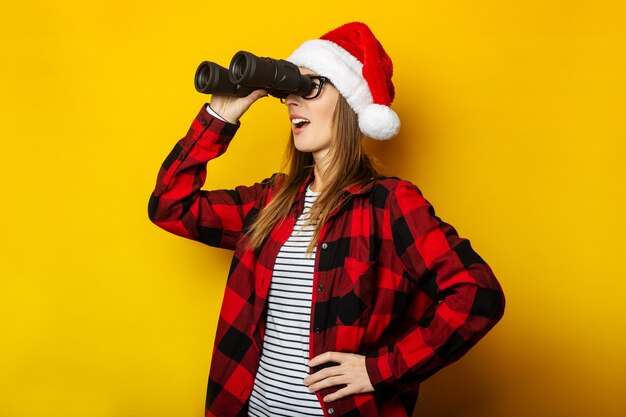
{"points": [[353, 189]]}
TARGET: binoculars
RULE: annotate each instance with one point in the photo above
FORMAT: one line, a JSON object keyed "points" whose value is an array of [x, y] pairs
{"points": [[248, 72]]}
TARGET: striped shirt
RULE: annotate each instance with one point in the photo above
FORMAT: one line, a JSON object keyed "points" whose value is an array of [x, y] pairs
{"points": [[278, 387]]}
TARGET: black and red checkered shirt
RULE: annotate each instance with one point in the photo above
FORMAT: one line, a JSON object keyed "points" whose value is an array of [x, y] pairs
{"points": [[392, 281]]}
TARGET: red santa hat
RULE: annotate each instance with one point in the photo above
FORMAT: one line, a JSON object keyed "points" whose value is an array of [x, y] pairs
{"points": [[358, 66]]}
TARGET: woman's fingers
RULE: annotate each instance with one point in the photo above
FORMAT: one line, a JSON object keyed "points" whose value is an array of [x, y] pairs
{"points": [[329, 382], [232, 108], [326, 357], [344, 392], [351, 372]]}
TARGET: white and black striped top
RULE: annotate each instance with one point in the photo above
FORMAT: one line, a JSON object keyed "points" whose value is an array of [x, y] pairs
{"points": [[278, 387]]}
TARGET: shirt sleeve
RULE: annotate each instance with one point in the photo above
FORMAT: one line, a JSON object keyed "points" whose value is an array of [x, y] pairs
{"points": [[213, 113], [178, 205], [467, 298]]}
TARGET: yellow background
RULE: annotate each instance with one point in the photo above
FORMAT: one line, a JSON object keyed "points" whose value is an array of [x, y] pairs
{"points": [[513, 127]]}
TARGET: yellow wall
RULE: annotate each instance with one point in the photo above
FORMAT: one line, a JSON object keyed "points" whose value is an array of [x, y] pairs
{"points": [[513, 127]]}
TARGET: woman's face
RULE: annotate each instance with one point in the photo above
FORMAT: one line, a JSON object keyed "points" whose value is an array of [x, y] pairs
{"points": [[311, 120]]}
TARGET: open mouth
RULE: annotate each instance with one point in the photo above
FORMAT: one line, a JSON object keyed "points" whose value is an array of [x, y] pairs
{"points": [[300, 123]]}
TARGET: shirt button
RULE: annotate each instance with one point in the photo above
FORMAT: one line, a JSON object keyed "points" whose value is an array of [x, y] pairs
{"points": [[324, 245], [204, 122], [320, 287], [331, 410], [318, 330]]}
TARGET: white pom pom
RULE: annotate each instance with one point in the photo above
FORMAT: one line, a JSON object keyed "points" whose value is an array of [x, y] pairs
{"points": [[379, 122]]}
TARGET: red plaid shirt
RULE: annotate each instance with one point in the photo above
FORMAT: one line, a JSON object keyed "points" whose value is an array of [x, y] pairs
{"points": [[392, 281]]}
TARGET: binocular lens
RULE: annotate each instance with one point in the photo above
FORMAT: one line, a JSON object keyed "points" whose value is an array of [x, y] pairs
{"points": [[208, 76], [213, 79], [248, 69], [240, 68], [202, 77]]}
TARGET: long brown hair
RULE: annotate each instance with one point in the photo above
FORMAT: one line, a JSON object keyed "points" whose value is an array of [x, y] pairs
{"points": [[348, 164]]}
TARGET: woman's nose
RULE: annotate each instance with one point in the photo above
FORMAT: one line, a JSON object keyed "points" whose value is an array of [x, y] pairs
{"points": [[291, 99]]}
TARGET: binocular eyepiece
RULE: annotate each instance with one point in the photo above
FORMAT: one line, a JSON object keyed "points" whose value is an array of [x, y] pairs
{"points": [[248, 72]]}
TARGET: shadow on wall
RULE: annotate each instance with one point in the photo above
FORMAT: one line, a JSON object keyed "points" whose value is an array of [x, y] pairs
{"points": [[466, 388]]}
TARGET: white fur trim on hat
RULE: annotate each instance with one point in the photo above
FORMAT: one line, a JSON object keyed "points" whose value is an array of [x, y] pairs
{"points": [[345, 72], [379, 122]]}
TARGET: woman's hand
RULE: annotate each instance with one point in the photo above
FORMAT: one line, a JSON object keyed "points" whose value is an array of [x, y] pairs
{"points": [[351, 371], [232, 108]]}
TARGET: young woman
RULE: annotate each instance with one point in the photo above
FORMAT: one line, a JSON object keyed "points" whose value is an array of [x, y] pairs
{"points": [[346, 291]]}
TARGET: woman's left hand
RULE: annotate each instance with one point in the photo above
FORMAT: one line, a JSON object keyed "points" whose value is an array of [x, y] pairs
{"points": [[351, 371]]}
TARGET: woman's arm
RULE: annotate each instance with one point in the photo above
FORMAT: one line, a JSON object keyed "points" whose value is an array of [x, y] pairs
{"points": [[178, 204], [469, 298]]}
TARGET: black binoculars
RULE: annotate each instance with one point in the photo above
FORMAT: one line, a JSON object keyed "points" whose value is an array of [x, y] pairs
{"points": [[248, 72]]}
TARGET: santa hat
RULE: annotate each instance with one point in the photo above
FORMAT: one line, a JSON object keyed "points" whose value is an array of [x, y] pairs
{"points": [[358, 66]]}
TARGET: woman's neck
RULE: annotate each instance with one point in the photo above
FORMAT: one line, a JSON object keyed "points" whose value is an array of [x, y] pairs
{"points": [[317, 185], [318, 172]]}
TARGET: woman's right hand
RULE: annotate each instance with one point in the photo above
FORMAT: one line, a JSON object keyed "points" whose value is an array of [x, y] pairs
{"points": [[232, 108]]}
